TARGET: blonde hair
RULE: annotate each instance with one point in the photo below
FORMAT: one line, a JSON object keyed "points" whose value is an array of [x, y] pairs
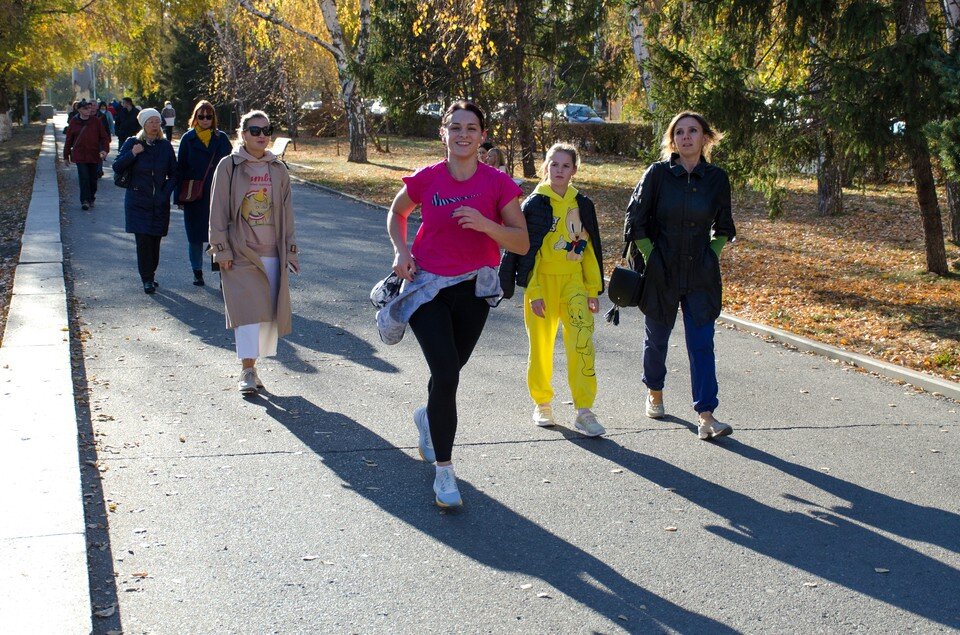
{"points": [[498, 153], [253, 114], [555, 148], [711, 136]]}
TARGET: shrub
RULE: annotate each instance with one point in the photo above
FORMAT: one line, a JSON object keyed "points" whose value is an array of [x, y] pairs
{"points": [[623, 139]]}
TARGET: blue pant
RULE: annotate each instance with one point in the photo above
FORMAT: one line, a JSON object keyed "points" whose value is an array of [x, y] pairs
{"points": [[195, 252], [703, 366]]}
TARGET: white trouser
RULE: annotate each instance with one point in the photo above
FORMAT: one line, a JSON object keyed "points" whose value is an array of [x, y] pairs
{"points": [[260, 340]]}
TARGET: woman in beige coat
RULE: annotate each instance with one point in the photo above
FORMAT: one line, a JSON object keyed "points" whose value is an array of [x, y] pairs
{"points": [[253, 240]]}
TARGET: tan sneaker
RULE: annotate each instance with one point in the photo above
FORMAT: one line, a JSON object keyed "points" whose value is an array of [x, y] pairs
{"points": [[543, 415], [588, 425], [707, 431], [654, 410], [248, 381]]}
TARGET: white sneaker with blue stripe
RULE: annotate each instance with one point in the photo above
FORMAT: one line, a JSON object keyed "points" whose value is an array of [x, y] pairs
{"points": [[425, 445]]}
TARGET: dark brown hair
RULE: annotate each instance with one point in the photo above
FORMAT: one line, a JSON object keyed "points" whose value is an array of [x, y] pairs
{"points": [[203, 106], [463, 104]]}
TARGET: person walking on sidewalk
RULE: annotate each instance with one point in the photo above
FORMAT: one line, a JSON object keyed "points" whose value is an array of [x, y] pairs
{"points": [[201, 149], [469, 211], [127, 120], [150, 158], [679, 218], [563, 277], [169, 116], [253, 238], [87, 144]]}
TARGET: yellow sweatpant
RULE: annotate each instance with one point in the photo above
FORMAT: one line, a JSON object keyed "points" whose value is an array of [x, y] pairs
{"points": [[565, 297]]}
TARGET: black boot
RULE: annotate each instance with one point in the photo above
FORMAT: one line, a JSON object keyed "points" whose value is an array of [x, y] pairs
{"points": [[198, 277]]}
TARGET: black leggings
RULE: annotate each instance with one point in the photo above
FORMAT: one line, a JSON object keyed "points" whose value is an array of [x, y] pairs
{"points": [[148, 255], [448, 327]]}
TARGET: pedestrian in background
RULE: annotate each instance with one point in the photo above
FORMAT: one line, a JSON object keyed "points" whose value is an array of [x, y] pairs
{"points": [[563, 277], [253, 238], [469, 211], [150, 158], [127, 122], [107, 117], [679, 218], [201, 149], [87, 144], [169, 116]]}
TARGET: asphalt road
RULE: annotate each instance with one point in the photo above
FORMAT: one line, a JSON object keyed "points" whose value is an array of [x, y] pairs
{"points": [[833, 508]]}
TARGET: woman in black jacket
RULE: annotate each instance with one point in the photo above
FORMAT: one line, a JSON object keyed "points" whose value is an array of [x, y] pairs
{"points": [[201, 149], [679, 219], [146, 204]]}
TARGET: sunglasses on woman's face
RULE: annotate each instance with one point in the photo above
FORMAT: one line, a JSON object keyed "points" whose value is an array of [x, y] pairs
{"points": [[257, 130], [204, 116]]}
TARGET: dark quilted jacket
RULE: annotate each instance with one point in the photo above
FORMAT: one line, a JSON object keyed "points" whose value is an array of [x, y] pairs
{"points": [[515, 269]]}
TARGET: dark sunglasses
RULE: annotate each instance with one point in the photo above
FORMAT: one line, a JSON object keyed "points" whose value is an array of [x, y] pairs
{"points": [[204, 116], [257, 130]]}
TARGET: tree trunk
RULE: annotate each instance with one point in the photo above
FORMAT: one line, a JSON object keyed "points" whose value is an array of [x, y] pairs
{"points": [[521, 94], [927, 199], [829, 178], [641, 53], [6, 115], [953, 205], [356, 122], [951, 17]]}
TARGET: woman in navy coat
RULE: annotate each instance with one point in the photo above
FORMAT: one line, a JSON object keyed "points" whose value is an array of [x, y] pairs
{"points": [[201, 149], [146, 205]]}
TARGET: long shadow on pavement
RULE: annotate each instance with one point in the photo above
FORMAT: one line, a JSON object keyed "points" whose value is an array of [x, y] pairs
{"points": [[824, 545], [208, 326], [900, 517], [485, 530]]}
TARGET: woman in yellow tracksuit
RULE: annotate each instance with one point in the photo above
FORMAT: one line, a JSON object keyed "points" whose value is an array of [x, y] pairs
{"points": [[564, 286]]}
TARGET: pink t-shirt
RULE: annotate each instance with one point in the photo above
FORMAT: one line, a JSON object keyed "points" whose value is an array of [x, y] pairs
{"points": [[441, 246]]}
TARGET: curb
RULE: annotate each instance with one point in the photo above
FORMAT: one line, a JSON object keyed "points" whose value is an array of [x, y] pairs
{"points": [[44, 584], [935, 385]]}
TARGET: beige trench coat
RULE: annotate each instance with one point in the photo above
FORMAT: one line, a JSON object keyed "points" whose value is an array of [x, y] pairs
{"points": [[246, 289]]}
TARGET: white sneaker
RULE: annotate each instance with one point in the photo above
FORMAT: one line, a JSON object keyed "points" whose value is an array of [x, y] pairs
{"points": [[543, 415], [707, 431], [425, 443], [257, 377], [445, 487], [248, 381], [587, 424], [654, 410]]}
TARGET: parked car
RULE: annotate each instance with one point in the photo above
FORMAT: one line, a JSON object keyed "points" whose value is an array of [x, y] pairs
{"points": [[432, 109], [578, 113], [375, 107], [311, 105]]}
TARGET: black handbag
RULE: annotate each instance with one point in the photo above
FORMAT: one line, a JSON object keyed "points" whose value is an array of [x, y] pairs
{"points": [[625, 287], [121, 178]]}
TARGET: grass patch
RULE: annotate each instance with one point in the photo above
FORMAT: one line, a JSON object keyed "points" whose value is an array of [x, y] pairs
{"points": [[856, 280]]}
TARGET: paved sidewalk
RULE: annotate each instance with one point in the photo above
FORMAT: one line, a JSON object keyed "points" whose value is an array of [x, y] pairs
{"points": [[834, 507], [43, 563]]}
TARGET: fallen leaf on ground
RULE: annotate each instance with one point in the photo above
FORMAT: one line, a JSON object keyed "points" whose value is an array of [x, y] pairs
{"points": [[526, 586], [545, 596], [107, 612], [670, 528], [881, 570]]}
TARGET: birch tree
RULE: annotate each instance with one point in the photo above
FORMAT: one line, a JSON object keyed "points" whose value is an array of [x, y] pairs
{"points": [[347, 57], [636, 14]]}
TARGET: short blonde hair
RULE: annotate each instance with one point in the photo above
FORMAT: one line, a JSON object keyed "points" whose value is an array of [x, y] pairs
{"points": [[569, 148], [711, 135]]}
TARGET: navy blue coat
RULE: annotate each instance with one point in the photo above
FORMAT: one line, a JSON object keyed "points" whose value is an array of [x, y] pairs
{"points": [[147, 202], [192, 162]]}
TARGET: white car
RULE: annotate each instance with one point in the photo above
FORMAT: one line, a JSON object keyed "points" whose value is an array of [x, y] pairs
{"points": [[375, 107], [578, 113], [311, 105], [431, 110]]}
